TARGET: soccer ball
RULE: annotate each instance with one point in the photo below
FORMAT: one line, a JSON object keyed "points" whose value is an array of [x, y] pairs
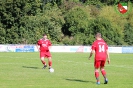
{"points": [[51, 70]]}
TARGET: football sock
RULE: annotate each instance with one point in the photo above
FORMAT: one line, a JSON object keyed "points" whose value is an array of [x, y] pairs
{"points": [[43, 62], [97, 75], [50, 63], [103, 73]]}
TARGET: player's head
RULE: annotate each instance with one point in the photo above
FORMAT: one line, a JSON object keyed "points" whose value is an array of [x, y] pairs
{"points": [[44, 36], [98, 36]]}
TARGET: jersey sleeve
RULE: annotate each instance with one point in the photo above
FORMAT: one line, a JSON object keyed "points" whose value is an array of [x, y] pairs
{"points": [[106, 47], [38, 42], [49, 43], [93, 46]]}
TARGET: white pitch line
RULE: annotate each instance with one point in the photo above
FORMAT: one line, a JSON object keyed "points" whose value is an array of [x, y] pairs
{"points": [[16, 57], [119, 66]]}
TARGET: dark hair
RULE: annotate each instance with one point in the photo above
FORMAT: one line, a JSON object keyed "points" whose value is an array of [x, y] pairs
{"points": [[99, 35], [44, 34]]}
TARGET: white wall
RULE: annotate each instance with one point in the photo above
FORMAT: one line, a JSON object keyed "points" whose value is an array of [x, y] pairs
{"points": [[32, 48]]}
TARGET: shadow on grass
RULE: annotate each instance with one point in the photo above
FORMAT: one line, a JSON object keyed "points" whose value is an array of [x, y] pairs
{"points": [[30, 67], [78, 80]]}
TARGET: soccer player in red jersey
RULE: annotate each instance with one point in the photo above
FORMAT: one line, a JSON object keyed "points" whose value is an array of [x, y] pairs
{"points": [[43, 46], [100, 49]]}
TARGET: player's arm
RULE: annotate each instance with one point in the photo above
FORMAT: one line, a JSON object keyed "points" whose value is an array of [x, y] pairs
{"points": [[92, 50], [49, 45], [37, 45], [91, 53], [108, 58]]}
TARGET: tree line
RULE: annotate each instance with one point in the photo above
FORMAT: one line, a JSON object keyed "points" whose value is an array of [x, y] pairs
{"points": [[69, 22]]}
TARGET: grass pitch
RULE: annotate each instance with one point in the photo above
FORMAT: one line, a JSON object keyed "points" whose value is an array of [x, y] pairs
{"points": [[72, 70]]}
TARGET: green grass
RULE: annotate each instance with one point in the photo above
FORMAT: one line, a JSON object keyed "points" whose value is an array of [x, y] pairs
{"points": [[72, 70]]}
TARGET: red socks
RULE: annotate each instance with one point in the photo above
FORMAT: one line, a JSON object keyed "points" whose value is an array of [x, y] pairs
{"points": [[43, 62], [50, 63], [97, 75], [103, 72]]}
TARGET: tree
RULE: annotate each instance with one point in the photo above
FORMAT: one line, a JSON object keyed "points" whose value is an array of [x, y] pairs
{"points": [[65, 21], [128, 30], [53, 22], [2, 35], [76, 24], [109, 33], [76, 21]]}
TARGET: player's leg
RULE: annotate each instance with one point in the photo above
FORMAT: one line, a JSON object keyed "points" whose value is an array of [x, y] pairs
{"points": [[97, 65], [103, 71], [42, 59], [48, 55], [50, 62]]}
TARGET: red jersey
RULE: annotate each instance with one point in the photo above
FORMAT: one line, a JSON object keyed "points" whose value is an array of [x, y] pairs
{"points": [[100, 47], [44, 44]]}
